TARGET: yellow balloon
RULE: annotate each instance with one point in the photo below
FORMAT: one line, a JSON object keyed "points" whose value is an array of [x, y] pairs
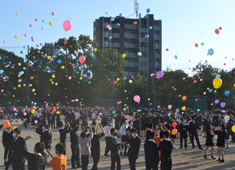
{"points": [[19, 85], [18, 75], [207, 53], [48, 57], [50, 23], [13, 95], [14, 127], [183, 108], [57, 112], [52, 82], [62, 67], [124, 104], [16, 36], [80, 78], [132, 77], [234, 85], [217, 83], [148, 99], [208, 88], [95, 49], [123, 55], [118, 79], [134, 113], [33, 90], [215, 91], [53, 76], [233, 128], [33, 111], [66, 75]]}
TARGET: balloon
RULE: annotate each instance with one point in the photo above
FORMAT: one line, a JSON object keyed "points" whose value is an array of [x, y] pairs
{"points": [[183, 108], [33, 111], [16, 36], [226, 117], [174, 132], [82, 59], [146, 36], [184, 98], [3, 41], [127, 117], [1, 71], [202, 43], [196, 45], [67, 25], [123, 55], [135, 1], [100, 113], [169, 107], [226, 93], [220, 28], [53, 13], [216, 101], [50, 23], [148, 10], [222, 104], [36, 19], [174, 124], [59, 61], [42, 28], [112, 19], [6, 124], [130, 81], [135, 23], [17, 13], [233, 128], [216, 31], [110, 28], [210, 51], [36, 122], [118, 24], [195, 81], [210, 90], [139, 54], [217, 83], [150, 27], [124, 78], [115, 82], [43, 21], [25, 35], [159, 74], [217, 76], [136, 98], [175, 57]]}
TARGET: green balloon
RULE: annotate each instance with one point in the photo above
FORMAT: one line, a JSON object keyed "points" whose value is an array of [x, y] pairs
{"points": [[118, 24], [81, 98], [26, 106], [37, 45], [127, 107], [113, 112], [21, 52], [14, 88], [89, 82], [50, 80], [83, 104], [174, 89]]}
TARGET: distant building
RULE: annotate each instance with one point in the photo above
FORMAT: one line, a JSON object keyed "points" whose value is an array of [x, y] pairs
{"points": [[129, 38]]}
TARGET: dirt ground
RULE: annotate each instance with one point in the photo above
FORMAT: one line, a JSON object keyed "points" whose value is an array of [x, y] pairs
{"points": [[190, 159]]}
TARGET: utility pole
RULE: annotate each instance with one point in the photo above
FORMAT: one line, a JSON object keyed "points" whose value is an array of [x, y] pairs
{"points": [[112, 72], [27, 78], [51, 56]]}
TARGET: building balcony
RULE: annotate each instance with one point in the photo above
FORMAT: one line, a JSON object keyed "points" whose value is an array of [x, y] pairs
{"points": [[145, 30], [144, 40], [143, 49], [113, 35], [130, 36], [130, 26], [130, 45], [143, 58], [115, 45], [131, 55], [156, 37], [114, 26], [157, 47], [156, 28]]}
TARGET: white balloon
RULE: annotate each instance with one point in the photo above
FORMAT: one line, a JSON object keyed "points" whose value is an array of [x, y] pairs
{"points": [[106, 13], [19, 64], [17, 13], [110, 28], [139, 54], [204, 93], [226, 118], [42, 28], [24, 84], [56, 84], [135, 1], [130, 81]]}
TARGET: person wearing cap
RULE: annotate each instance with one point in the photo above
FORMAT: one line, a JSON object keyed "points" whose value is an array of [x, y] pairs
{"points": [[16, 151], [6, 136]]}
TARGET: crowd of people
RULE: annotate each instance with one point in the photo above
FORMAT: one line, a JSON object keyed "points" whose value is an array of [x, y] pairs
{"points": [[158, 127]]}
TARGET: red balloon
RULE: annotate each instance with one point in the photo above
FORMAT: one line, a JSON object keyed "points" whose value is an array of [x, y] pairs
{"points": [[53, 13], [40, 44], [217, 31], [29, 65], [197, 75], [167, 49], [115, 82], [167, 68], [73, 65], [30, 25], [54, 110], [65, 42], [224, 63], [36, 19], [174, 124], [172, 87], [220, 28], [82, 59]]}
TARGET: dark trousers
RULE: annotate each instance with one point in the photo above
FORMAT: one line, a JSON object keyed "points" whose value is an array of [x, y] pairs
{"points": [[75, 155], [151, 165], [181, 141], [96, 158], [16, 164], [115, 158], [64, 142], [192, 140], [166, 163], [6, 150], [85, 161], [132, 162], [107, 148], [124, 139]]}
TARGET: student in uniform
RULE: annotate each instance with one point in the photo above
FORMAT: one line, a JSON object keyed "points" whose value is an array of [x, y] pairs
{"points": [[183, 134], [220, 141], [150, 129], [63, 132], [166, 147], [6, 137], [124, 135], [107, 136], [151, 153], [46, 137], [209, 141], [193, 127], [75, 147], [134, 147]]}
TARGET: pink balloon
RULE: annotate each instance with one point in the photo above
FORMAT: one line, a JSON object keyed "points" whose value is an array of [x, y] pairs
{"points": [[100, 113], [25, 35], [2, 90], [127, 117], [25, 113], [169, 107], [137, 98], [3, 41], [67, 25], [82, 59], [36, 122], [14, 109]]}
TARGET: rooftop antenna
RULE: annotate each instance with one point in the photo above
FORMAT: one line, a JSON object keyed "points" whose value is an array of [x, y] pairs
{"points": [[136, 9]]}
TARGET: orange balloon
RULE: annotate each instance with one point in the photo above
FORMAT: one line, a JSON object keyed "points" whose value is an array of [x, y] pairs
{"points": [[38, 51], [31, 78], [195, 81], [174, 132], [6, 124], [135, 23], [196, 45], [184, 98]]}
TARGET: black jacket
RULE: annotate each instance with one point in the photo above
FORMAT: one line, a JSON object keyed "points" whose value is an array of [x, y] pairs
{"points": [[35, 161], [166, 147], [114, 147], [17, 149], [46, 138], [63, 133], [193, 127], [74, 138], [183, 130], [151, 151], [95, 144], [6, 137], [133, 152]]}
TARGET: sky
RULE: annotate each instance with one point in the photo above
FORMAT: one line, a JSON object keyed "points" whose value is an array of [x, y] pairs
{"points": [[184, 23]]}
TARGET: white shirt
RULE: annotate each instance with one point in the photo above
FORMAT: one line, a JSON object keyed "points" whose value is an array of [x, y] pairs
{"points": [[93, 115], [123, 129], [107, 130], [77, 115]]}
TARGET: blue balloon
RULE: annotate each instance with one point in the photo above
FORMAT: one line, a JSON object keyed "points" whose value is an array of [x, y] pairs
{"points": [[112, 19], [210, 90], [169, 114], [21, 73], [217, 76], [148, 10], [1, 71], [77, 64], [210, 51], [125, 91], [202, 43], [175, 56], [179, 95], [43, 21], [189, 68], [15, 114], [24, 47], [59, 61], [198, 110], [226, 93], [34, 94], [147, 36], [226, 70], [24, 68], [150, 104], [124, 78], [150, 27], [9, 62], [39, 109]]}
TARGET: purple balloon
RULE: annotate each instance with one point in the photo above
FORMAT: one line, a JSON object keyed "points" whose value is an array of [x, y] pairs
{"points": [[158, 107], [225, 122], [85, 75], [159, 74], [196, 100], [222, 104], [216, 101]]}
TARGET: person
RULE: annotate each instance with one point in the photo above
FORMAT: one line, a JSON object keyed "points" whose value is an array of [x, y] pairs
{"points": [[60, 161], [183, 134], [146, 129], [115, 147], [95, 145], [46, 137], [75, 146], [17, 148], [36, 161], [150, 129], [124, 135], [220, 142], [134, 147], [193, 126], [85, 148], [63, 132], [166, 147], [107, 137], [6, 137], [93, 116], [209, 141], [151, 153]]}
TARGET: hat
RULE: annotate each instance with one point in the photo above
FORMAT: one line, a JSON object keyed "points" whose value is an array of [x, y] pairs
{"points": [[17, 130]]}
